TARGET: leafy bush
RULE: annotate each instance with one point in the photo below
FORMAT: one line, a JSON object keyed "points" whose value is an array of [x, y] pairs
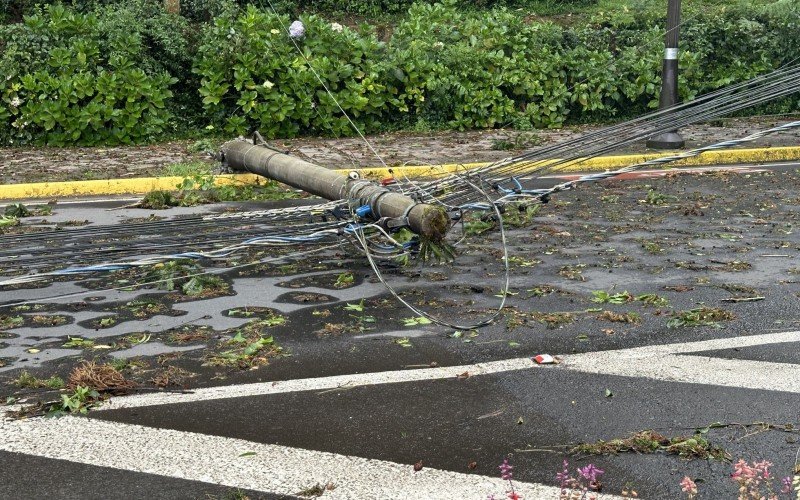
{"points": [[208, 9], [253, 76], [466, 70], [103, 72], [70, 80]]}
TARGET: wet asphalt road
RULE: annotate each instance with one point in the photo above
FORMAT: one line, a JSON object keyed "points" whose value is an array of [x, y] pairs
{"points": [[694, 240]]}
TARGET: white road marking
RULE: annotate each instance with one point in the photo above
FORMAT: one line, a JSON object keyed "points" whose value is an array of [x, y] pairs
{"points": [[659, 362], [664, 362], [218, 460], [317, 384], [286, 470]]}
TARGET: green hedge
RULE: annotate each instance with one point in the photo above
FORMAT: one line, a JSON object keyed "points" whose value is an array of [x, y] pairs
{"points": [[444, 67], [13, 10], [123, 73], [73, 78], [253, 75]]}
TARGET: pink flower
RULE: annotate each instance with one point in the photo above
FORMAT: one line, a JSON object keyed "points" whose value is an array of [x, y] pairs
{"points": [[743, 472], [786, 484], [563, 478], [688, 486], [591, 473], [762, 468], [506, 470]]}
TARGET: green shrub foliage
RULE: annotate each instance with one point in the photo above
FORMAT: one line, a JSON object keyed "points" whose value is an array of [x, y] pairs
{"points": [[68, 79], [105, 73], [255, 76], [468, 70]]}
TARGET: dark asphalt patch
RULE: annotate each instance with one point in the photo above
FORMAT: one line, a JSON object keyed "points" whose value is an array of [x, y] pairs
{"points": [[787, 352], [712, 244], [449, 423], [29, 477]]}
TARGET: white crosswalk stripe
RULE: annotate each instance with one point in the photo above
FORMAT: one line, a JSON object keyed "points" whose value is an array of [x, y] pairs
{"points": [[285, 470], [244, 464], [660, 362]]}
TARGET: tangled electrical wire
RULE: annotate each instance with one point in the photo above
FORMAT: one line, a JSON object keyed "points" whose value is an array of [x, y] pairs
{"points": [[488, 189]]}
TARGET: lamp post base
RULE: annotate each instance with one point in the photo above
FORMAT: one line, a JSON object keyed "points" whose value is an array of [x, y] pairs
{"points": [[667, 140]]}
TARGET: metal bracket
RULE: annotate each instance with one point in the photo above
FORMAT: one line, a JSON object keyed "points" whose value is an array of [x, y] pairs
{"points": [[259, 140]]}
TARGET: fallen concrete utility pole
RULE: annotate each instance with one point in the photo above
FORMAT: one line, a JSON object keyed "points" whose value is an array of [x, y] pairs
{"points": [[424, 219]]}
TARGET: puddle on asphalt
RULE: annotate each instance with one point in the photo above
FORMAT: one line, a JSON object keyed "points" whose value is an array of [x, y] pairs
{"points": [[152, 349], [412, 334], [256, 291]]}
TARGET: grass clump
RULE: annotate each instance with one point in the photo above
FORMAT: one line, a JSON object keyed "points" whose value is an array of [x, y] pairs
{"points": [[172, 376], [477, 227], [80, 401], [573, 272], [189, 334], [647, 442], [515, 215], [158, 200], [191, 168], [700, 316], [655, 198], [245, 352], [652, 247], [17, 211], [541, 291], [652, 299], [249, 347], [739, 289], [630, 317], [554, 320], [522, 140], [204, 285], [27, 381], [78, 342], [344, 280], [603, 297], [48, 320], [127, 364], [199, 187], [144, 309], [98, 377], [520, 214], [316, 491], [167, 275], [8, 322], [736, 266], [7, 222]]}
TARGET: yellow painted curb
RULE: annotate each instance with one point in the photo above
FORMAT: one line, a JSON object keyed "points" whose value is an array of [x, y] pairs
{"points": [[734, 156], [142, 185], [135, 185]]}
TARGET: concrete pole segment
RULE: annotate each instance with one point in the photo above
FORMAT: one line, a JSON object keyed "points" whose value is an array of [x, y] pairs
{"points": [[669, 78], [424, 219]]}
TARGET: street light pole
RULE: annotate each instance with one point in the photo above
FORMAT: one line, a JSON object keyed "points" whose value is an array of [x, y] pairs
{"points": [[669, 78]]}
